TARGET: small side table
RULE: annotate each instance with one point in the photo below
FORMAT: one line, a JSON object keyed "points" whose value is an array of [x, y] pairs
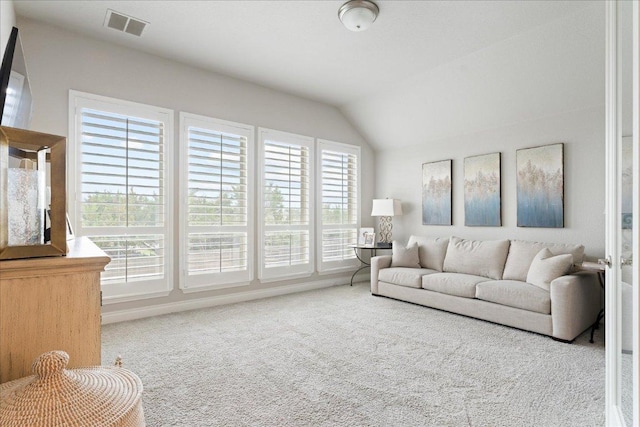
{"points": [[600, 269], [373, 249]]}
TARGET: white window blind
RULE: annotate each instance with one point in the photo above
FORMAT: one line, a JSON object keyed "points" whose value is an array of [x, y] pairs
{"points": [[217, 192], [122, 193], [285, 206], [338, 203]]}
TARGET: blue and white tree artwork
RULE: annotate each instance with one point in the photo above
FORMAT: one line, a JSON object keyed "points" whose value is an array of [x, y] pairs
{"points": [[436, 193], [540, 182], [482, 190]]}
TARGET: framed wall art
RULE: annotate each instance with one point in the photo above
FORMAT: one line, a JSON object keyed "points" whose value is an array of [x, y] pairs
{"points": [[482, 203], [436, 193], [540, 186]]}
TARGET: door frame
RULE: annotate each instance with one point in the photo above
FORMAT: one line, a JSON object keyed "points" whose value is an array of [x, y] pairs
{"points": [[613, 320]]}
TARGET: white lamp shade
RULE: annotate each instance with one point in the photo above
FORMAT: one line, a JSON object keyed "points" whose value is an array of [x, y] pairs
{"points": [[386, 207], [358, 15]]}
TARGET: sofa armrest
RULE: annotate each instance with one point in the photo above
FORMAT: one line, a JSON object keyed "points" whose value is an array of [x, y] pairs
{"points": [[576, 300], [377, 264]]}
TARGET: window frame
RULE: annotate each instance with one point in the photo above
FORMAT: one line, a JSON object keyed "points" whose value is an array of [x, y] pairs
{"points": [[220, 280], [143, 289], [330, 267], [289, 272]]}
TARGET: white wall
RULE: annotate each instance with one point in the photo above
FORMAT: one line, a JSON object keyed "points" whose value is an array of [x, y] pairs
{"points": [[542, 86], [59, 60], [544, 71], [399, 175], [7, 22]]}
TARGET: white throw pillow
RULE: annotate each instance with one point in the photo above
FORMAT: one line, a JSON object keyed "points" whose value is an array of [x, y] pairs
{"points": [[546, 267], [405, 257]]}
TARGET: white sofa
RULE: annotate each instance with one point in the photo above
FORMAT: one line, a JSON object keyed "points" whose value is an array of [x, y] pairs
{"points": [[511, 282]]}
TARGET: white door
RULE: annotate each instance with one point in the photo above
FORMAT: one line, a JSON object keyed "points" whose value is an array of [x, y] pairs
{"points": [[621, 293]]}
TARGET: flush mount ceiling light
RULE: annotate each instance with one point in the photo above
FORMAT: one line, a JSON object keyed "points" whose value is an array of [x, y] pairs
{"points": [[358, 15]]}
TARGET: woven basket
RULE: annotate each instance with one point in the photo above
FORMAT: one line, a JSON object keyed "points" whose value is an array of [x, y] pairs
{"points": [[95, 396]]}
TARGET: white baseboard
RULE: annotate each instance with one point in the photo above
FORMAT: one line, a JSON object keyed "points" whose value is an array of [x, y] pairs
{"points": [[193, 304]]}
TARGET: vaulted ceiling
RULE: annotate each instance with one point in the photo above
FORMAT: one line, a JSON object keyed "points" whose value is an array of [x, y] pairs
{"points": [[425, 70]]}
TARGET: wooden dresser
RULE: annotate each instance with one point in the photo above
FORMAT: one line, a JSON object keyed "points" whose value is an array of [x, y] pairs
{"points": [[51, 303]]}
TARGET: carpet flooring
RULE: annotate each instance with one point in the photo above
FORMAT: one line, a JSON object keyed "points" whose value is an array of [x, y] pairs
{"points": [[341, 357]]}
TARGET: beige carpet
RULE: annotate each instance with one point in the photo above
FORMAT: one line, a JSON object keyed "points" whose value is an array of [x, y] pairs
{"points": [[341, 357]]}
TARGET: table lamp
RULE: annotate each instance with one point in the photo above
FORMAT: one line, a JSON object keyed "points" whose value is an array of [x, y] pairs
{"points": [[385, 209]]}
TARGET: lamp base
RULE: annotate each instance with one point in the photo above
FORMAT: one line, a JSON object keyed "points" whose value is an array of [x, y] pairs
{"points": [[385, 229]]}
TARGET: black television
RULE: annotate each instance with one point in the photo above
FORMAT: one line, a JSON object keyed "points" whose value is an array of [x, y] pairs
{"points": [[15, 91]]}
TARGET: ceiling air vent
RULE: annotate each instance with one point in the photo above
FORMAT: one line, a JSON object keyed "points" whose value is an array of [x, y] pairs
{"points": [[121, 22]]}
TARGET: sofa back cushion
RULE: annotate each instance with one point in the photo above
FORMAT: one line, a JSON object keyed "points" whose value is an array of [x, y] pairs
{"points": [[431, 251], [479, 257], [521, 254], [405, 257]]}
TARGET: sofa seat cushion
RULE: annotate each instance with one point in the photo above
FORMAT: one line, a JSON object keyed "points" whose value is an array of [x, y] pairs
{"points": [[457, 284], [403, 276], [476, 257], [514, 293]]}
